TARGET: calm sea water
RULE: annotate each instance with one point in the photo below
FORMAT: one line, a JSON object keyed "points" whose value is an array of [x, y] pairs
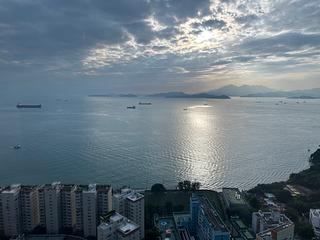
{"points": [[239, 142]]}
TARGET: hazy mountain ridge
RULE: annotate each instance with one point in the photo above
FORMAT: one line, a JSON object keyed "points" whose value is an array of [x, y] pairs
{"points": [[186, 95], [262, 91], [303, 94], [233, 90]]}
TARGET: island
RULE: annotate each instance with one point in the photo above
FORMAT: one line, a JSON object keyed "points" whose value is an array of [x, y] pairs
{"points": [[186, 95]]}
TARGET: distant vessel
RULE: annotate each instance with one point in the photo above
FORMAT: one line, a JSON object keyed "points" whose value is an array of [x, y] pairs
{"points": [[131, 107], [18, 146], [185, 109], [28, 105], [145, 103]]}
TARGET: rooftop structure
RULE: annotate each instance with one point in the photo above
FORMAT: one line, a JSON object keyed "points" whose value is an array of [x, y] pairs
{"points": [[276, 223], [127, 227], [130, 204], [114, 226], [233, 197], [135, 196]]}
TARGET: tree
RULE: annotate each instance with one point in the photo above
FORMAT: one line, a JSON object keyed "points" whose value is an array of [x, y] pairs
{"points": [[180, 186], [195, 186], [158, 187], [254, 202], [187, 185], [152, 234], [304, 230]]}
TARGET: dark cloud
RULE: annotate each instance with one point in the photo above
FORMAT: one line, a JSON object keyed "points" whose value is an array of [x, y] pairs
{"points": [[282, 43], [74, 39]]}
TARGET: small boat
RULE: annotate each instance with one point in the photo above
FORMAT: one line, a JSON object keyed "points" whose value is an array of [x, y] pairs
{"points": [[145, 103], [131, 107], [18, 146], [205, 104], [185, 109]]}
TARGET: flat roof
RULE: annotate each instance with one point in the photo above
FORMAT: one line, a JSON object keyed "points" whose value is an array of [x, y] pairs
{"points": [[116, 217], [134, 196], [103, 187], [127, 228], [233, 195], [14, 188]]}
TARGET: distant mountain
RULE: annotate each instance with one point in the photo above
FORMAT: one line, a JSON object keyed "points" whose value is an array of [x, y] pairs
{"points": [[233, 90], [185, 95], [302, 94], [168, 94]]}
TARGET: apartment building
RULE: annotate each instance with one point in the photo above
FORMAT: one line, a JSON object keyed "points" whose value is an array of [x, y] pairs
{"points": [[61, 208], [104, 199], [130, 204], [11, 210], [30, 216], [272, 225], [67, 207], [1, 215], [52, 207], [117, 227], [89, 207], [77, 209], [41, 206]]}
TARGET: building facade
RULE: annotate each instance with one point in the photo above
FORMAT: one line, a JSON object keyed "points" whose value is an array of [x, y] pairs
{"points": [[208, 223], [314, 219], [29, 207], [52, 207], [11, 210], [117, 227], [62, 208], [130, 204], [89, 207], [272, 225]]}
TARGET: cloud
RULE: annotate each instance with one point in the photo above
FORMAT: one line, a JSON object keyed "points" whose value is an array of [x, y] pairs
{"points": [[168, 40]]}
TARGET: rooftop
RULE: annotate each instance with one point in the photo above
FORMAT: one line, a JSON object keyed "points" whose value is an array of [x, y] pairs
{"points": [[273, 218], [116, 217], [14, 188], [134, 196], [28, 188], [103, 187], [91, 188], [67, 187], [233, 195], [127, 227], [265, 235]]}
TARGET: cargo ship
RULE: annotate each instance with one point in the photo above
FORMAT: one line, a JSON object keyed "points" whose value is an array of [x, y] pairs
{"points": [[28, 105]]}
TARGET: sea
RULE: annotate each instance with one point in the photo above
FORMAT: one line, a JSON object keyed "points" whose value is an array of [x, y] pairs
{"points": [[239, 142]]}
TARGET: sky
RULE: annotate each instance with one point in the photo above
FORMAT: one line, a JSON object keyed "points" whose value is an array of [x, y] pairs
{"points": [[145, 46]]}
